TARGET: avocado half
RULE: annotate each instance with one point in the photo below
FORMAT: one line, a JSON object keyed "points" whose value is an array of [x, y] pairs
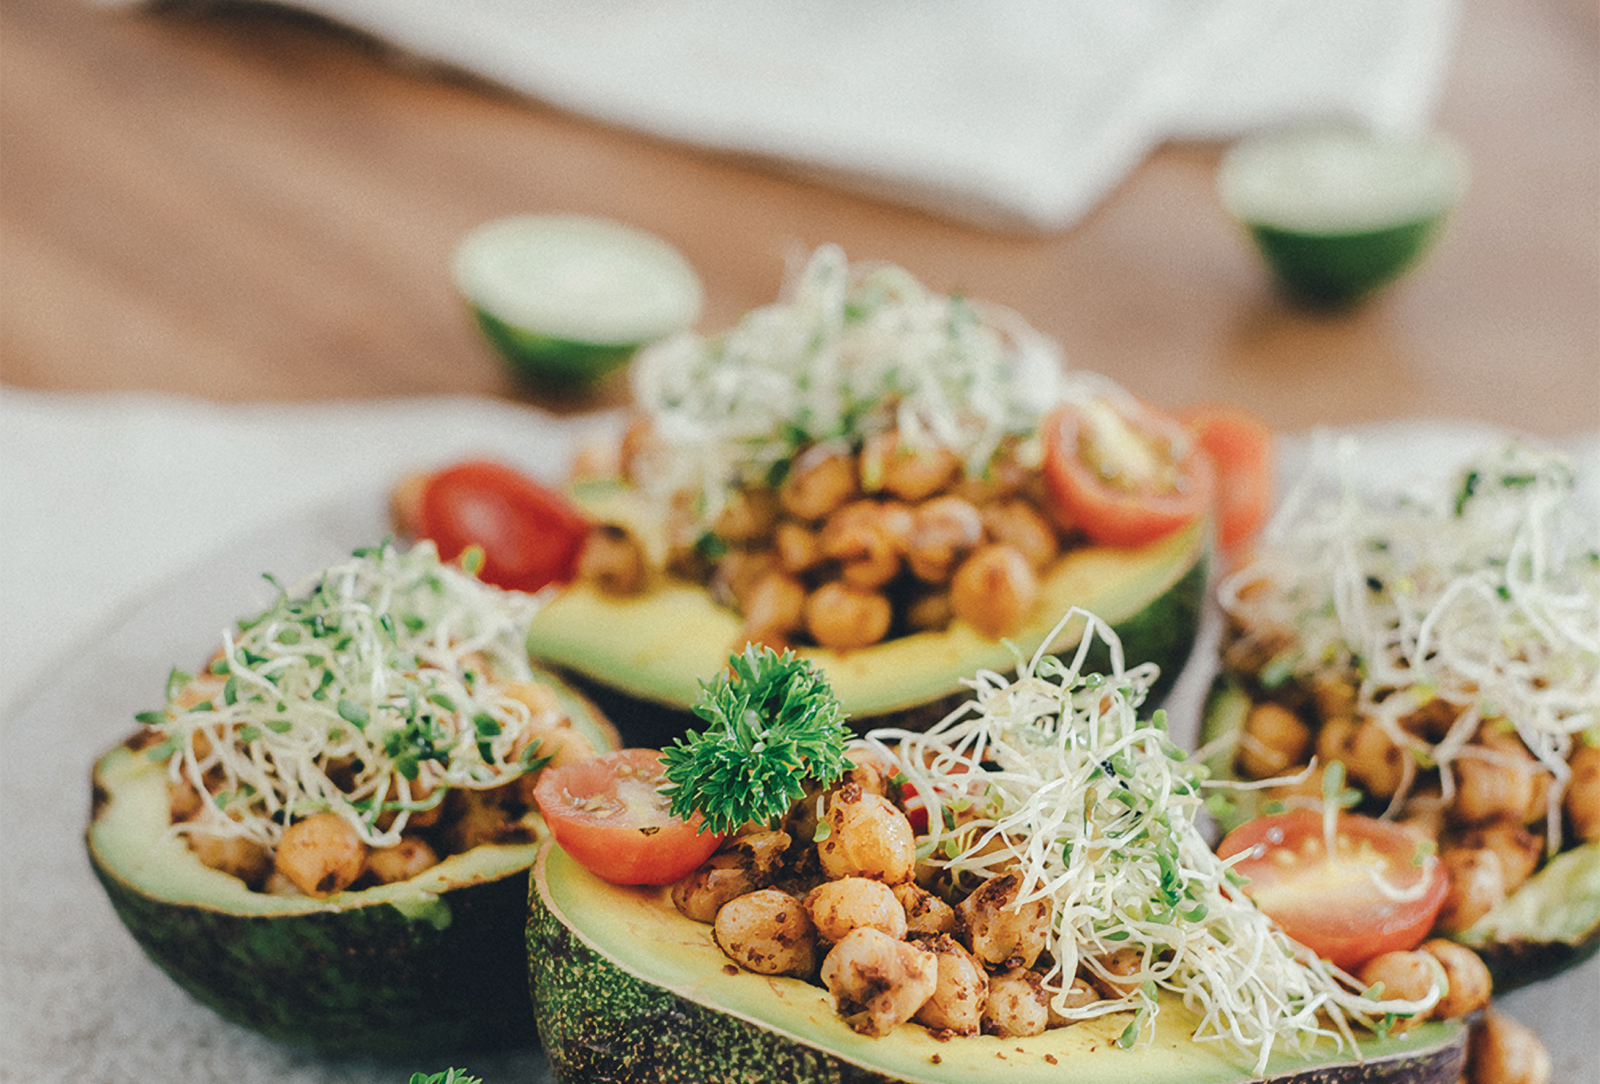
{"points": [[642, 657], [1550, 923], [431, 964], [627, 989]]}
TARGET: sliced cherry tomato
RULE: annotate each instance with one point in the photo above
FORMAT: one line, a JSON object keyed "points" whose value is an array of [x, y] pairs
{"points": [[1380, 890], [530, 535], [1241, 449], [1124, 476], [609, 814]]}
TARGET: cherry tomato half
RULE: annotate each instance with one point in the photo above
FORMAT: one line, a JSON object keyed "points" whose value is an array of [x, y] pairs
{"points": [[1124, 476], [609, 815], [1379, 892], [531, 536], [1241, 449]]}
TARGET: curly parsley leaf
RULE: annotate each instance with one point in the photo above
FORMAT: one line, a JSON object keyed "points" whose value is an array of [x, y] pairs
{"points": [[773, 723]]}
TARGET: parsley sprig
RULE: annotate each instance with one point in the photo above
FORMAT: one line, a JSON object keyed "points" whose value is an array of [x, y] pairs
{"points": [[774, 723]]}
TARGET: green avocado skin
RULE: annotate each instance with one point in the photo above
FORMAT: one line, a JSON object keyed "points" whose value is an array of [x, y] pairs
{"points": [[1163, 632], [600, 1025], [362, 979]]}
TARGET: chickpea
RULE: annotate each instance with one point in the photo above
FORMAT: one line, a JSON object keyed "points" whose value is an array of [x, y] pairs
{"points": [[474, 817], [321, 854], [749, 516], [880, 982], [994, 589], [1404, 976], [738, 571], [961, 992], [416, 791], [1022, 526], [1504, 1051], [1518, 849], [1118, 973], [1002, 934], [1333, 739], [837, 907], [183, 802], [926, 914], [1432, 719], [1274, 740], [1374, 761], [612, 560], [845, 618], [912, 474], [774, 607], [1582, 798], [1425, 812], [234, 855], [403, 861], [796, 547], [767, 931], [943, 531], [858, 537], [819, 482], [1497, 777], [701, 894], [1467, 977], [1477, 884], [1076, 996], [1018, 1005], [867, 837]]}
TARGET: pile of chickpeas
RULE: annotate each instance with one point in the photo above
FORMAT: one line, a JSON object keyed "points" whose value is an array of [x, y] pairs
{"points": [[322, 854], [855, 547], [895, 942], [1490, 833]]}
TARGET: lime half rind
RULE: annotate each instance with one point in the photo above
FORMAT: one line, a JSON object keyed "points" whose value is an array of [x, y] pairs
{"points": [[567, 299], [1337, 211]]}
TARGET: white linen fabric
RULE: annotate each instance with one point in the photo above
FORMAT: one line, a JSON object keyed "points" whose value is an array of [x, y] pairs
{"points": [[1012, 114]]}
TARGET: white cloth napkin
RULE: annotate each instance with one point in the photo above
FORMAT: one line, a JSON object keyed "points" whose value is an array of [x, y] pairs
{"points": [[1017, 114]]}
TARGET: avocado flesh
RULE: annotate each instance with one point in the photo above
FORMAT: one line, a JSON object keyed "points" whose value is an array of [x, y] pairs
{"points": [[1550, 923], [655, 648], [422, 966], [627, 989]]}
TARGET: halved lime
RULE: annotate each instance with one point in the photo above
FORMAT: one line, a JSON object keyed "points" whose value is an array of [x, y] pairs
{"points": [[566, 299], [1336, 210]]}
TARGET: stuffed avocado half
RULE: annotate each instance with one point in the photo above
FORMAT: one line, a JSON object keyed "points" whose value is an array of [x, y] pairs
{"points": [[894, 483], [380, 707], [1428, 654], [627, 989]]}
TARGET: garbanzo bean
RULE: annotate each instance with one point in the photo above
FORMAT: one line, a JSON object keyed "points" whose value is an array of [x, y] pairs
{"points": [[994, 589], [1018, 1005], [926, 914], [612, 560], [1404, 976], [774, 607], [411, 856], [767, 931], [820, 481], [1002, 934], [1505, 1051], [321, 855], [1497, 778], [943, 531], [837, 907], [846, 618], [1274, 740], [1582, 798], [864, 544], [233, 855], [960, 992], [1019, 524], [912, 474], [1477, 883], [1467, 976], [880, 982], [1374, 760], [867, 837]]}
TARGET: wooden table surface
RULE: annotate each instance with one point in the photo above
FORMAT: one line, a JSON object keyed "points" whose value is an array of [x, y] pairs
{"points": [[246, 204]]}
